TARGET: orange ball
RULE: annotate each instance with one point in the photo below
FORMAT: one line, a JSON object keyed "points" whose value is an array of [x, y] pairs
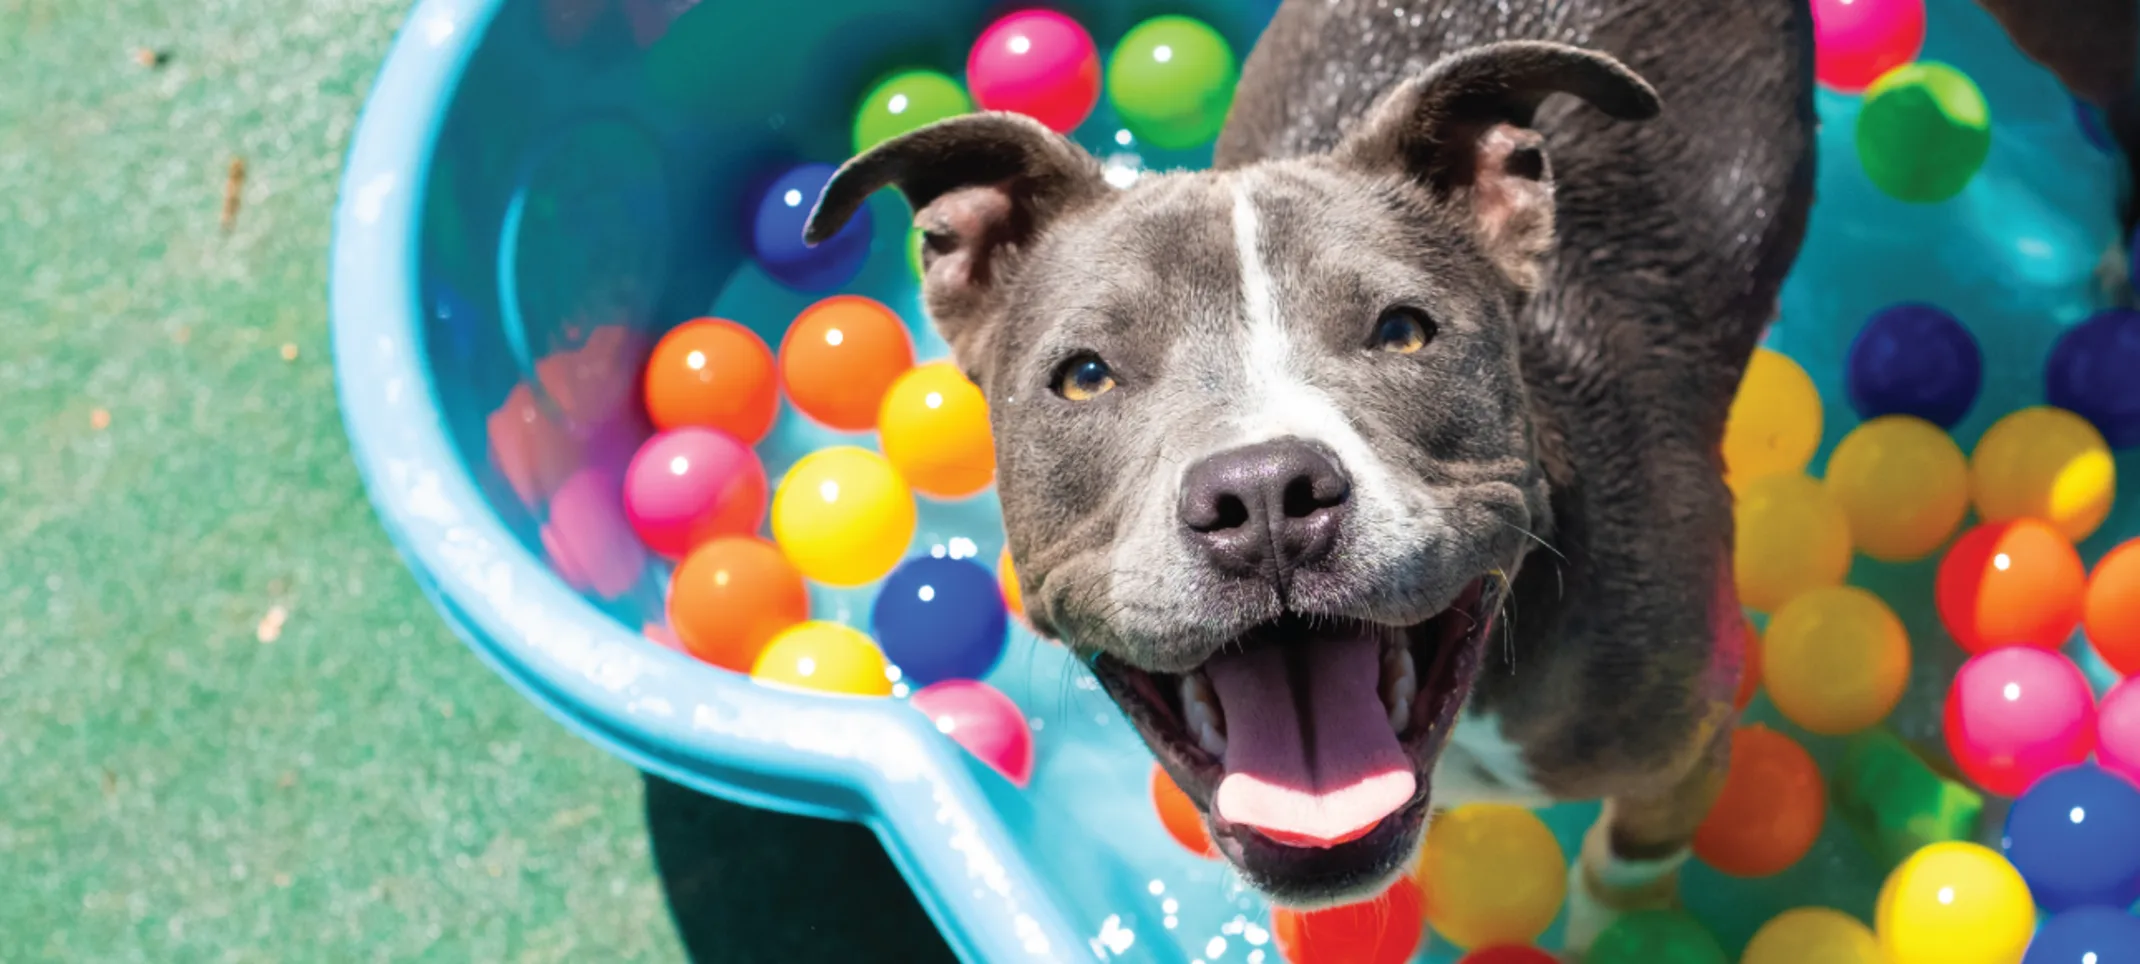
{"points": [[712, 373], [1179, 816], [1385, 930], [839, 358], [2011, 583], [1007, 579], [1770, 810], [2110, 611], [1750, 669], [733, 595]]}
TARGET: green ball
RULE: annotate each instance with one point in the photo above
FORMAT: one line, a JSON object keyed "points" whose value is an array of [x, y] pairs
{"points": [[914, 240], [1655, 937], [1171, 80], [1923, 132], [904, 101]]}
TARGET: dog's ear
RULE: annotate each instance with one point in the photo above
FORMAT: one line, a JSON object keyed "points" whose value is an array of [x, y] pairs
{"points": [[1461, 128], [982, 186]]}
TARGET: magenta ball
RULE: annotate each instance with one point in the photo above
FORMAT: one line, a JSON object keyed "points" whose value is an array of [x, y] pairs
{"points": [[689, 485], [2117, 724], [1855, 41], [1038, 63], [980, 718], [587, 538], [2017, 713]]}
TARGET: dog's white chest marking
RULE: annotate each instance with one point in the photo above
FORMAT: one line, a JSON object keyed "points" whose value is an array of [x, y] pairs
{"points": [[1480, 765]]}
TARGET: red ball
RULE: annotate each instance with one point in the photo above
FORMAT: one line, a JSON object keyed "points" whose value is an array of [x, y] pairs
{"points": [[2011, 583], [1038, 63], [1385, 930], [1855, 41], [1509, 954]]}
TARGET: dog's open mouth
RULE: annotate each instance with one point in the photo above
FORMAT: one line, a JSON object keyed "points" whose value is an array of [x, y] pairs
{"points": [[1310, 733]]}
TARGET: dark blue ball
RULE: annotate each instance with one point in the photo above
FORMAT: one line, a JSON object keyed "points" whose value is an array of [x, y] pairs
{"points": [[2075, 837], [776, 234], [2090, 935], [940, 619], [2094, 372], [1914, 359]]}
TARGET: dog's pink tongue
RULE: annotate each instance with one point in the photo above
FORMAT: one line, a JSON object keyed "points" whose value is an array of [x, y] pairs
{"points": [[1311, 760]]}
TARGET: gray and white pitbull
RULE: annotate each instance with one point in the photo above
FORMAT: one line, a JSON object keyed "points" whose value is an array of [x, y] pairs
{"points": [[1384, 457]]}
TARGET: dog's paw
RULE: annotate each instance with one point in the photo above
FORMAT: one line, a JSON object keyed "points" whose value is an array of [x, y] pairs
{"points": [[1601, 888]]}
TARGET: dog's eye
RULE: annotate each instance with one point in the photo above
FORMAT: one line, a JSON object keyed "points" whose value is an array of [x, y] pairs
{"points": [[1403, 330], [1084, 378]]}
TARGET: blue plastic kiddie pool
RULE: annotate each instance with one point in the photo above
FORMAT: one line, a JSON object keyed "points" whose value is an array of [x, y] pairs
{"points": [[539, 189]]}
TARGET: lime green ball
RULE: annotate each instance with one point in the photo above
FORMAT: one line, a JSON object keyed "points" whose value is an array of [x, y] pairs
{"points": [[1172, 80], [1923, 132], [1655, 937], [914, 237], [904, 101]]}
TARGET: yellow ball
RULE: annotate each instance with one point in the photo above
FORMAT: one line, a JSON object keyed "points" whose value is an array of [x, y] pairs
{"points": [[1792, 538], [843, 516], [1774, 424], [934, 427], [1903, 483], [819, 655], [1813, 935], [1835, 660], [2044, 463], [1955, 903], [1493, 874]]}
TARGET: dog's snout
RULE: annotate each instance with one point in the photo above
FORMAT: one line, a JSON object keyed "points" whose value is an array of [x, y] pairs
{"points": [[1270, 505]]}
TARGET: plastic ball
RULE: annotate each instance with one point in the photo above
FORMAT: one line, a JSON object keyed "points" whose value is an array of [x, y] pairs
{"points": [[2117, 722], [1179, 816], [1007, 580], [1792, 538], [2017, 713], [690, 485], [730, 598], [713, 373], [1171, 79], [2090, 373], [916, 237], [2010, 584], [2075, 837], [2044, 463], [588, 539], [1655, 937], [776, 234], [1903, 483], [1492, 874], [1774, 423], [940, 619], [2087, 935], [1385, 930], [840, 356], [1836, 660], [905, 101], [1914, 359], [1038, 63], [1770, 810], [987, 723], [1749, 669], [2110, 608], [1813, 935], [843, 516], [1954, 903], [933, 424], [1923, 132], [823, 656], [1509, 954], [1855, 41]]}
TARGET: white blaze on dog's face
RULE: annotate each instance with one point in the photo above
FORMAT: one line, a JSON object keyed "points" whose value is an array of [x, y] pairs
{"points": [[1264, 448]]}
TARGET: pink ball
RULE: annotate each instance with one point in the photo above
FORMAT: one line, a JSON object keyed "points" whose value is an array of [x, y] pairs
{"points": [[689, 485], [980, 718], [2017, 713], [587, 538], [1038, 63], [1855, 41], [2118, 721]]}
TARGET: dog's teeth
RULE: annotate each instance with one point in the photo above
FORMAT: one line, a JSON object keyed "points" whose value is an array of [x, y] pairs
{"points": [[1200, 711], [1400, 682]]}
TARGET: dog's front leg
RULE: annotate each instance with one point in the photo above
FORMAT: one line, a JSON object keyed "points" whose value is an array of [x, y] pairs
{"points": [[1632, 854]]}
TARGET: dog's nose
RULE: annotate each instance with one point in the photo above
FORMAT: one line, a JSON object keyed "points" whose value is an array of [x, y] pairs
{"points": [[1273, 505]]}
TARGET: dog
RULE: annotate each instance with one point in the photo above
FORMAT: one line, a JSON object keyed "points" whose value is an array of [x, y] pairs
{"points": [[1377, 468]]}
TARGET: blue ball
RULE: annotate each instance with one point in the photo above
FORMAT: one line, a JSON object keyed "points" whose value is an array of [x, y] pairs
{"points": [[1914, 359], [2075, 837], [2094, 372], [940, 619], [776, 234], [2090, 935]]}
